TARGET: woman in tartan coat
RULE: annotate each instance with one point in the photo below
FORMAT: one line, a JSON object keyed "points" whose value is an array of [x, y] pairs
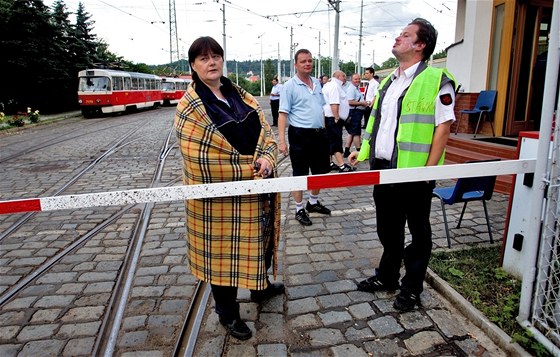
{"points": [[222, 133]]}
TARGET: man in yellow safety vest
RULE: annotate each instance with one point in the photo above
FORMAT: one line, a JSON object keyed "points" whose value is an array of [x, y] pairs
{"points": [[409, 127]]}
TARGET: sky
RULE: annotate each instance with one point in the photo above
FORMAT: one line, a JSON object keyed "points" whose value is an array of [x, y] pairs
{"points": [[138, 30]]}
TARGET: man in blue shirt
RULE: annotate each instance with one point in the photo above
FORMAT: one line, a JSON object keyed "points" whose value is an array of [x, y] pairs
{"points": [[301, 107]]}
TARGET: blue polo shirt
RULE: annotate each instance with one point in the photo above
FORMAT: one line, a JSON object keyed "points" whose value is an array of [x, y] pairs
{"points": [[303, 106]]}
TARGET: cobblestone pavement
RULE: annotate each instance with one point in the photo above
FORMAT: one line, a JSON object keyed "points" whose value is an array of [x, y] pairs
{"points": [[321, 313]]}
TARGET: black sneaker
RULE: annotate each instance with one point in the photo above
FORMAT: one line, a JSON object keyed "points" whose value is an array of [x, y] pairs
{"points": [[303, 218], [271, 290], [373, 284], [334, 167], [406, 301], [345, 168], [346, 153], [237, 328], [317, 208]]}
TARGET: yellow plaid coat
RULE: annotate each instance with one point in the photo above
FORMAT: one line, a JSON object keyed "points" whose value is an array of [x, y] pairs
{"points": [[226, 237]]}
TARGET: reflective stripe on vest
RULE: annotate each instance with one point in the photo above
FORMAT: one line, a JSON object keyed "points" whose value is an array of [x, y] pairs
{"points": [[417, 122]]}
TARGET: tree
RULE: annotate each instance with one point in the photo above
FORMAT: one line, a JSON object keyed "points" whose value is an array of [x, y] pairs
{"points": [[348, 67], [32, 60], [440, 54], [85, 44], [269, 73], [390, 63], [64, 45]]}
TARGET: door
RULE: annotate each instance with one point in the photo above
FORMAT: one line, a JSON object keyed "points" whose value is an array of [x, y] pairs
{"points": [[529, 51]]}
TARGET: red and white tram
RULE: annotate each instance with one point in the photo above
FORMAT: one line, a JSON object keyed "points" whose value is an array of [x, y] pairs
{"points": [[173, 89], [103, 91]]}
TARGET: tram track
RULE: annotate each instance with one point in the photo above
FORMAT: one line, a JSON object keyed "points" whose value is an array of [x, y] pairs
{"points": [[110, 338], [126, 271], [105, 154], [56, 140], [39, 270], [107, 338]]}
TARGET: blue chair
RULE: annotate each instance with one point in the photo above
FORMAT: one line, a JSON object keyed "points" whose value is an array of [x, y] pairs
{"points": [[484, 107], [466, 190]]}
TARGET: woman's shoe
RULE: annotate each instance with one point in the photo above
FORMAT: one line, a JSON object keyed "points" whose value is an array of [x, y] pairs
{"points": [[237, 328]]}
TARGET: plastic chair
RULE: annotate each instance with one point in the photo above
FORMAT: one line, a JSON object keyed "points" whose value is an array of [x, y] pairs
{"points": [[466, 190], [484, 106]]}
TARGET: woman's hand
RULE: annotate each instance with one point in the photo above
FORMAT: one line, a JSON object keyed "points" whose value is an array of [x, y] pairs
{"points": [[263, 167]]}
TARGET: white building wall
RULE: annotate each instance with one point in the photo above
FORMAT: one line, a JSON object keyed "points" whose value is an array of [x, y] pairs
{"points": [[468, 61]]}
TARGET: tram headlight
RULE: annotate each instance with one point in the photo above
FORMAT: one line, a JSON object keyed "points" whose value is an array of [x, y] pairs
{"points": [[80, 101], [98, 101]]}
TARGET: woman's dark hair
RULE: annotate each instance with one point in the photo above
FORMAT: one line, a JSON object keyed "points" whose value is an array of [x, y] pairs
{"points": [[204, 46], [426, 34]]}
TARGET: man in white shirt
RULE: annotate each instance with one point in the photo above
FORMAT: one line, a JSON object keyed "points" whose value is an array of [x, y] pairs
{"points": [[275, 100], [354, 122], [336, 112], [370, 92], [409, 128]]}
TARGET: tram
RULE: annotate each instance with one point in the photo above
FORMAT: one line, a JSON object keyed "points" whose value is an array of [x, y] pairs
{"points": [[102, 91], [173, 89]]}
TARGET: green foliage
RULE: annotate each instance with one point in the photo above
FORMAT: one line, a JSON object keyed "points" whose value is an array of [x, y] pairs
{"points": [[389, 63], [440, 54], [33, 115], [476, 275], [42, 52]]}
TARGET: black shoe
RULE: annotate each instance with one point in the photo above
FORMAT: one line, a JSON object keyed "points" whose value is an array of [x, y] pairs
{"points": [[373, 284], [334, 167], [406, 301], [237, 328], [346, 153], [317, 208], [345, 168], [303, 218], [271, 290]]}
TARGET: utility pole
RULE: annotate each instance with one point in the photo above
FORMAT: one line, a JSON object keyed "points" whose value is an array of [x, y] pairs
{"points": [[224, 37], [335, 4], [360, 41], [278, 69], [262, 67], [292, 47], [173, 39], [318, 71]]}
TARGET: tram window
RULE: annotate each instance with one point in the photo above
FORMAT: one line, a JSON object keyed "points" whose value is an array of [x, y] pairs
{"points": [[93, 84], [117, 83], [149, 84], [134, 84], [141, 84], [127, 84], [168, 86]]}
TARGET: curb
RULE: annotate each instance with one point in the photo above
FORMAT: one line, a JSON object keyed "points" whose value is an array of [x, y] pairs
{"points": [[496, 334]]}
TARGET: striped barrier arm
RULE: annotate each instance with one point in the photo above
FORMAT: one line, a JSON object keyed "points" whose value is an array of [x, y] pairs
{"points": [[282, 184]]}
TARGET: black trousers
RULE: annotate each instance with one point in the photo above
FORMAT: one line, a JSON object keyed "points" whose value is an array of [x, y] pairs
{"points": [[367, 113], [225, 297], [398, 205], [274, 106]]}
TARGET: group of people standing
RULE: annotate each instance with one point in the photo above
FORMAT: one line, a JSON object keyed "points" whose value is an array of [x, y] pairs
{"points": [[223, 136]]}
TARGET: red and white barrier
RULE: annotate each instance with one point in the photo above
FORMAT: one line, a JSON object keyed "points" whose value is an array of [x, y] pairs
{"points": [[283, 184]]}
